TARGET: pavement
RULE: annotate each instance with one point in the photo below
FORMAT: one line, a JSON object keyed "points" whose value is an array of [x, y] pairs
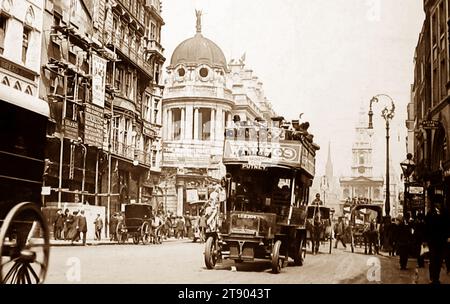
{"points": [[91, 242]]}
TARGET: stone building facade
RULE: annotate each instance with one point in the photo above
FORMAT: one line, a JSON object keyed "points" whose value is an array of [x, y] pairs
{"points": [[102, 64]]}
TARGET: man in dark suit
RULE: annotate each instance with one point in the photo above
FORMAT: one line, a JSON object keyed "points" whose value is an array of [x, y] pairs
{"points": [[82, 226], [58, 224], [436, 233]]}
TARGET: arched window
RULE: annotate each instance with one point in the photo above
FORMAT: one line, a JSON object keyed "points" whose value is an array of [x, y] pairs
{"points": [[361, 159]]}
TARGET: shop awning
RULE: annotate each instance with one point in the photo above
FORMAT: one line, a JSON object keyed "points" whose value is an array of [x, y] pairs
{"points": [[24, 100]]}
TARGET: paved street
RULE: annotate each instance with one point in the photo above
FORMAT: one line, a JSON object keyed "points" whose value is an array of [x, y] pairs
{"points": [[181, 261]]}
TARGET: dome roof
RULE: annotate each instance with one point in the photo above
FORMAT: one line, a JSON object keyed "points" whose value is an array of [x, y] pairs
{"points": [[198, 50]]}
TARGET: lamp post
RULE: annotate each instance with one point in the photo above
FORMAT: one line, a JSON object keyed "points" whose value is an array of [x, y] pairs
{"points": [[408, 167], [388, 114]]}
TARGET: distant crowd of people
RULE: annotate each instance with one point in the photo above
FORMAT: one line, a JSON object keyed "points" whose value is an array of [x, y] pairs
{"points": [[73, 226]]}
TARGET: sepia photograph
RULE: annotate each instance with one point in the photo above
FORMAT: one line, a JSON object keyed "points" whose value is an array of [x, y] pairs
{"points": [[199, 143]]}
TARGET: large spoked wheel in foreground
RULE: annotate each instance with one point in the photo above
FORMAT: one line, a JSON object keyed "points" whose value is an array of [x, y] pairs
{"points": [[145, 233], [24, 246], [277, 259], [210, 253]]}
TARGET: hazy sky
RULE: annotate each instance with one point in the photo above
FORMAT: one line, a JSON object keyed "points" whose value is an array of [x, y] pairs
{"points": [[324, 58]]}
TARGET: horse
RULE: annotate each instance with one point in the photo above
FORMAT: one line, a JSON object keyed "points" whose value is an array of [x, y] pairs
{"points": [[316, 229], [371, 237]]}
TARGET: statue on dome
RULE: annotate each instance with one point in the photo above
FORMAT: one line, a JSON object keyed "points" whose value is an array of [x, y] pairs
{"points": [[198, 13]]}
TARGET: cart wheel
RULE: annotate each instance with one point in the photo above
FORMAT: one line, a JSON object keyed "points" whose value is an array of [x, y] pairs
{"points": [[136, 238], [24, 246], [300, 254], [210, 253], [277, 261], [145, 233]]}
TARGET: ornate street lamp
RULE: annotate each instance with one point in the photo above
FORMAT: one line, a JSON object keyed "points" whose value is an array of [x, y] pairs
{"points": [[408, 167], [388, 114]]}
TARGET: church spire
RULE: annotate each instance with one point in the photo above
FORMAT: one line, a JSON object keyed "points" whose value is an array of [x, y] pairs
{"points": [[198, 13], [329, 165]]}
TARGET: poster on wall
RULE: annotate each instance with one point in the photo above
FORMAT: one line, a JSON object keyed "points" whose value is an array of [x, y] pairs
{"points": [[98, 72]]}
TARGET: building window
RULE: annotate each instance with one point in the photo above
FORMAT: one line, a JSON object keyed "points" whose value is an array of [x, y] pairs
{"points": [[153, 31], [3, 22], [155, 110], [204, 123], [181, 72], [361, 159], [154, 157], [435, 86], [157, 73], [25, 43], [443, 79], [176, 124], [115, 133], [147, 105], [203, 72]]}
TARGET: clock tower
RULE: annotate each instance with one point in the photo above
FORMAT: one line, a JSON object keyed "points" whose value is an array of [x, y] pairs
{"points": [[362, 148], [361, 186]]}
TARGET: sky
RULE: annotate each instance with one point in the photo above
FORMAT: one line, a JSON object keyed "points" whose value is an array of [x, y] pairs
{"points": [[323, 58]]}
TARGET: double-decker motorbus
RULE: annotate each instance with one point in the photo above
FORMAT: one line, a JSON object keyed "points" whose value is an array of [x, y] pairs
{"points": [[269, 173]]}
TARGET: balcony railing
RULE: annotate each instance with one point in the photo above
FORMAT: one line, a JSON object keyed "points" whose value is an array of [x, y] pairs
{"points": [[131, 153], [154, 46], [132, 54]]}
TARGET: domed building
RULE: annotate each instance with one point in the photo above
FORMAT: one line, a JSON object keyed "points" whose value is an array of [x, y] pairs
{"points": [[198, 103]]}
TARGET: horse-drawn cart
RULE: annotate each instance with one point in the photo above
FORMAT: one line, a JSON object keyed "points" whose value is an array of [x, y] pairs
{"points": [[318, 227], [365, 223], [24, 233], [136, 224]]}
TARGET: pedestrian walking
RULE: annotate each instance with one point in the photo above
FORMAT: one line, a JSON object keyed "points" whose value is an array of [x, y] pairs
{"points": [[436, 232], [68, 220], [419, 238], [403, 241], [81, 227], [73, 234], [113, 227], [339, 231], [188, 225], [58, 225], [202, 225], [98, 224]]}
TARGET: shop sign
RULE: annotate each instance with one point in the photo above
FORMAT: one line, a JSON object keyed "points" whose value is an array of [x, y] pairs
{"points": [[415, 190], [268, 153], [70, 129], [93, 125], [431, 124]]}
